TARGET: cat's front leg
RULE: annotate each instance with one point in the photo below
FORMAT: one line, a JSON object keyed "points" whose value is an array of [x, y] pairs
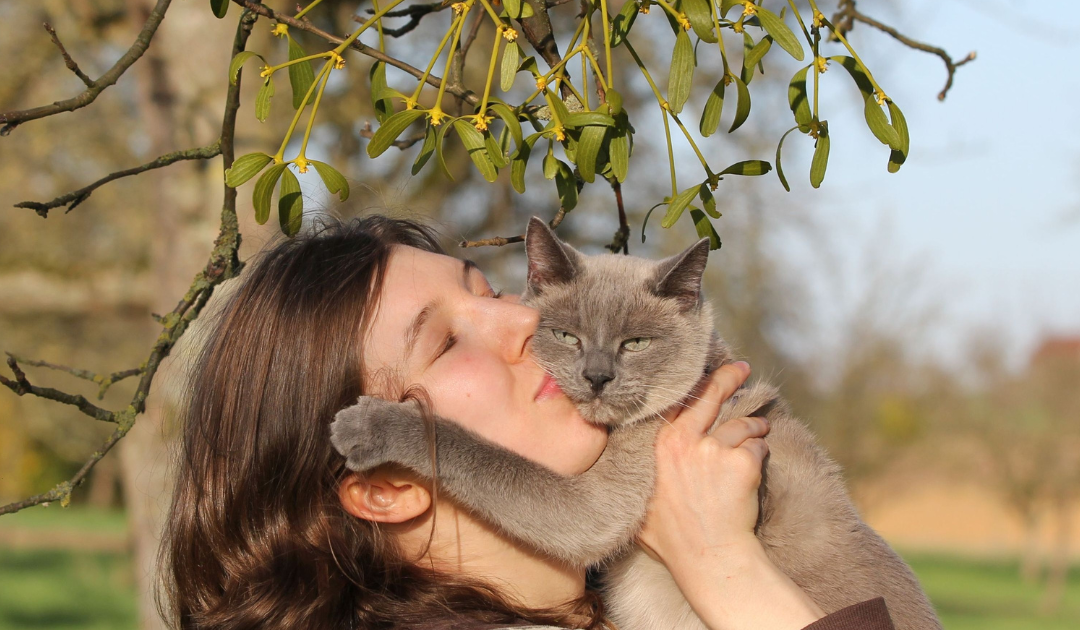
{"points": [[374, 432]]}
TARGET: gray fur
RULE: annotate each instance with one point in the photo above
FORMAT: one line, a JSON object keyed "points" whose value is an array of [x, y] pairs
{"points": [[808, 525]]}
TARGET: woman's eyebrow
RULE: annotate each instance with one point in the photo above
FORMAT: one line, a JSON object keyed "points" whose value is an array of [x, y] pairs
{"points": [[417, 324]]}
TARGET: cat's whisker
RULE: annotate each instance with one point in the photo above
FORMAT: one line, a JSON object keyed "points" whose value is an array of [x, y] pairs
{"points": [[673, 391]]}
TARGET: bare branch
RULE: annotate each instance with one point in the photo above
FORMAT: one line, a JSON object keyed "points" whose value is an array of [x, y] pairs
{"points": [[265, 11], [499, 241], [846, 15], [621, 240], [76, 197], [10, 120], [222, 265], [537, 30], [105, 381], [367, 132], [415, 13], [21, 386], [68, 61]]}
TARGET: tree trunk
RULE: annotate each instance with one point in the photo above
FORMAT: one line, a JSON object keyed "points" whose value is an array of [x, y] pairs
{"points": [[1031, 564], [1059, 560]]}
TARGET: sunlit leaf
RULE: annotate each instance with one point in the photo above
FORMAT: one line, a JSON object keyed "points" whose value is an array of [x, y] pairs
{"points": [[821, 157], [623, 22], [677, 205], [856, 72], [704, 228], [334, 181], [899, 123], [588, 149], [513, 8], [682, 72], [440, 153], [262, 99], [508, 117], [245, 167], [879, 124], [517, 167], [494, 151], [511, 59], [780, 32], [551, 166], [727, 5], [748, 168], [708, 201], [619, 151], [779, 168], [264, 190], [301, 76], [614, 101], [714, 106], [290, 204], [390, 130], [383, 106], [742, 106], [220, 7], [754, 56], [474, 144], [583, 119], [799, 100], [700, 17], [238, 61]]}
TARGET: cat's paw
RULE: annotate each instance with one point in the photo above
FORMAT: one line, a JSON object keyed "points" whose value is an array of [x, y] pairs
{"points": [[362, 432]]}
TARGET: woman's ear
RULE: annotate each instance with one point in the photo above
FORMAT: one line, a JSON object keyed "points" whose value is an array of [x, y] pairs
{"points": [[384, 496]]}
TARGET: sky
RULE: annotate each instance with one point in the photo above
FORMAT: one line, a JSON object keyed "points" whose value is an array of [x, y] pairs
{"points": [[988, 203]]}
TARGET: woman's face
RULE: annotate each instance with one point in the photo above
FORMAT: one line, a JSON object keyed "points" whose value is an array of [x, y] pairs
{"points": [[440, 326]]}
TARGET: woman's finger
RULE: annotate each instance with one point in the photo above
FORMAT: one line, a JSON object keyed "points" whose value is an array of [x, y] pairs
{"points": [[734, 432], [722, 383], [758, 446]]}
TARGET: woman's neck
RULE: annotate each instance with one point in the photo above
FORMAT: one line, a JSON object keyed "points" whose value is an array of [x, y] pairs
{"points": [[462, 545]]}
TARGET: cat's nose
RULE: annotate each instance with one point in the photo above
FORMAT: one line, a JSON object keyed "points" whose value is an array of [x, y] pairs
{"points": [[598, 378]]}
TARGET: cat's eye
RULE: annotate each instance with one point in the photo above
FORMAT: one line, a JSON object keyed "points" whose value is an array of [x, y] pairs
{"points": [[637, 344], [566, 337]]}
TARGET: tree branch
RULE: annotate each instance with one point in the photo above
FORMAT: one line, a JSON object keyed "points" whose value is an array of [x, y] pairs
{"points": [[104, 381], [621, 240], [68, 61], [846, 15], [415, 13], [74, 198], [21, 386], [265, 11], [367, 132], [10, 120], [222, 265], [499, 241]]}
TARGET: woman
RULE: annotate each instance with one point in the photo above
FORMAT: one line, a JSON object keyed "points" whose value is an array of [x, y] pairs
{"points": [[269, 530]]}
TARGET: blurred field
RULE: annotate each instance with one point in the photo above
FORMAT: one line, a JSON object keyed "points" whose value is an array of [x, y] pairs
{"points": [[52, 583]]}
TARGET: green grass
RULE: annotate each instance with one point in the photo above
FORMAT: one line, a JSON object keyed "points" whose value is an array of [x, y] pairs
{"points": [[974, 594], [73, 590]]}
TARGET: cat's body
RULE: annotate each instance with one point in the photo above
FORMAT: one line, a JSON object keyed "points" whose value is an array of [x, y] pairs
{"points": [[595, 314]]}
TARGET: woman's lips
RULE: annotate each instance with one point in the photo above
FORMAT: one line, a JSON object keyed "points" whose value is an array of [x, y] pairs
{"points": [[548, 388]]}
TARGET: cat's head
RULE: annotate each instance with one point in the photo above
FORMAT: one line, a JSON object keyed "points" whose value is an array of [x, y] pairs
{"points": [[624, 337]]}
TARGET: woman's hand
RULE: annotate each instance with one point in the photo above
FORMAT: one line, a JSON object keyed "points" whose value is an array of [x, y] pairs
{"points": [[701, 518]]}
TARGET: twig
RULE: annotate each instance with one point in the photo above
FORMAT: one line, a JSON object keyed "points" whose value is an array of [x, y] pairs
{"points": [[374, 53], [415, 13], [846, 15], [104, 381], [222, 265], [621, 240], [21, 386], [499, 241], [537, 30], [76, 197], [10, 120], [68, 61], [367, 132]]}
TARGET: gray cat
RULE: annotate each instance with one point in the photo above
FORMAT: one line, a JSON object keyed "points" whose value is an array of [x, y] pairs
{"points": [[627, 338]]}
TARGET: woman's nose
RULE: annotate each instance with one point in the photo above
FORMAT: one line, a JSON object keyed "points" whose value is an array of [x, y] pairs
{"points": [[514, 325]]}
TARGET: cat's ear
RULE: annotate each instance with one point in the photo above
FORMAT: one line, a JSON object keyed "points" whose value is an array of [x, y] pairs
{"points": [[679, 277], [550, 260]]}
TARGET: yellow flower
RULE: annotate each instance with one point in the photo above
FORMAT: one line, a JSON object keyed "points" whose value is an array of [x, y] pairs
{"points": [[683, 22], [339, 61], [728, 78], [822, 64], [459, 7], [481, 122], [301, 163], [737, 26], [644, 10], [541, 83], [748, 10], [266, 72], [560, 135], [436, 114], [819, 19], [509, 34], [881, 98], [280, 30]]}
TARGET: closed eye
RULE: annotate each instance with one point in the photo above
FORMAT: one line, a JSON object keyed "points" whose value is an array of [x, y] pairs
{"points": [[448, 343]]}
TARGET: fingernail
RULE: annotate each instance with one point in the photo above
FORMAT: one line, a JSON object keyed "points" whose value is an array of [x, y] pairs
{"points": [[744, 366]]}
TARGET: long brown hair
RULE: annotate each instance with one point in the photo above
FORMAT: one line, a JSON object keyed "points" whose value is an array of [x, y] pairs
{"points": [[257, 537]]}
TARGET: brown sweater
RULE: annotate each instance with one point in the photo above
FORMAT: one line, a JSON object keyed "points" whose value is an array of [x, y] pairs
{"points": [[869, 615]]}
